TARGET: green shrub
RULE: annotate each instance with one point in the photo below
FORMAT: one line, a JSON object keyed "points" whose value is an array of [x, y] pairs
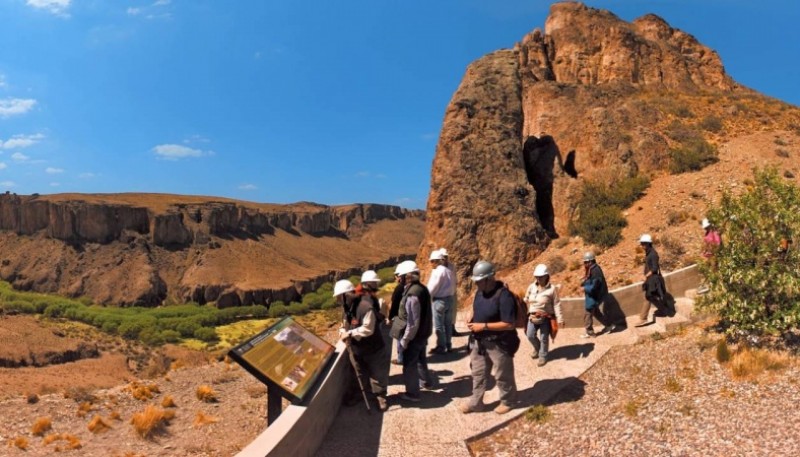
{"points": [[207, 334], [723, 353], [600, 219], [692, 156], [277, 309], [170, 336], [386, 275], [295, 308], [753, 281], [711, 123]]}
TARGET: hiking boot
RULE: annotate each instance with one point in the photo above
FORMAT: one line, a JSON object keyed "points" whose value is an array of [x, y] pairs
{"points": [[408, 397], [382, 405], [466, 408], [542, 361], [535, 355], [588, 335], [609, 329], [502, 409]]}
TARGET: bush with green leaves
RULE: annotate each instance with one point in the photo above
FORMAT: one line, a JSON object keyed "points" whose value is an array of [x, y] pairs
{"points": [[599, 209], [692, 155], [753, 280]]}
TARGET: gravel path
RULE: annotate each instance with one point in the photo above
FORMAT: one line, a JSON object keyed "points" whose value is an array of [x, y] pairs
{"points": [[667, 397]]}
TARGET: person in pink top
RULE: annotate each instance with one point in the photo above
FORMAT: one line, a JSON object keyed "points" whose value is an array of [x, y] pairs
{"points": [[711, 240]]}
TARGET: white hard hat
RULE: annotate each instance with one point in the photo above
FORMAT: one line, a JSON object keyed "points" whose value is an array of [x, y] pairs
{"points": [[541, 270], [406, 267], [436, 255], [370, 276], [646, 238], [705, 223], [342, 286], [443, 251], [588, 256]]}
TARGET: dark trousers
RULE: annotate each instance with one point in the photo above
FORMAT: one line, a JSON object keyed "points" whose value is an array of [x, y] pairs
{"points": [[373, 369], [415, 367]]}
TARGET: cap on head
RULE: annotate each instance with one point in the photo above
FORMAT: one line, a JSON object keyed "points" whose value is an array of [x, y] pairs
{"points": [[406, 267], [541, 270], [436, 255], [370, 276], [482, 270], [588, 256], [443, 251], [646, 238], [342, 286], [705, 223]]}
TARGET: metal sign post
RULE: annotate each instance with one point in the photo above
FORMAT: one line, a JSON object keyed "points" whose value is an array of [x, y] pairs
{"points": [[274, 404]]}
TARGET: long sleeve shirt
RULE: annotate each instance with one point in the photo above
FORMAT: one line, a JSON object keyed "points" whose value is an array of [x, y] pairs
{"points": [[366, 329], [412, 323], [441, 283], [544, 299]]}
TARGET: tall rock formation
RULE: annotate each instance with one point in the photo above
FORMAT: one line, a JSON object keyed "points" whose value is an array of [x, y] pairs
{"points": [[592, 82]]}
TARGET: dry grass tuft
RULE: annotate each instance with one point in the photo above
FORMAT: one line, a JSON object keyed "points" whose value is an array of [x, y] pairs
{"points": [[42, 425], [143, 392], [150, 421], [672, 385], [750, 363], [114, 415], [98, 425], [723, 353], [206, 394], [539, 414], [21, 442], [201, 419], [32, 398], [631, 408], [84, 409], [168, 402], [80, 394], [72, 441], [256, 390]]}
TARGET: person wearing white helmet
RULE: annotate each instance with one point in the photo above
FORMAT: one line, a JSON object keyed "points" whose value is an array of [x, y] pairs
{"points": [[493, 340], [446, 261], [413, 325], [595, 291], [711, 240], [654, 292], [369, 285], [442, 289], [361, 331], [543, 306]]}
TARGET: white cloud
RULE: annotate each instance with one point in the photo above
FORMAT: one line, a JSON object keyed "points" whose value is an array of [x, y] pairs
{"points": [[57, 7], [368, 174], [7, 184], [162, 2], [55, 184], [87, 175], [3, 166], [53, 171], [21, 141], [13, 106], [248, 187], [133, 11], [196, 139], [177, 151], [19, 157]]}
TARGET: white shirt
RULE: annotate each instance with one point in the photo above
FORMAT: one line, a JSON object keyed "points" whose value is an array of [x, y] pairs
{"points": [[441, 283]]}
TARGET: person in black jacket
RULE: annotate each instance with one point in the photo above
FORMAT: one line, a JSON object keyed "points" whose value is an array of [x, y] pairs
{"points": [[394, 308], [361, 330], [653, 286], [595, 291]]}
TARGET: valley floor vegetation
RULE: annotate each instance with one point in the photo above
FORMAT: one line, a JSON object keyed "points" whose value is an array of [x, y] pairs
{"points": [[165, 324]]}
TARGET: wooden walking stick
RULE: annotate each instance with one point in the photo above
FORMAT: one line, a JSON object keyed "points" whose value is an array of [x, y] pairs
{"points": [[358, 371]]}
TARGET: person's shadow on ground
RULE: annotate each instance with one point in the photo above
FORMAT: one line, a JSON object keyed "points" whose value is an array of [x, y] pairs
{"points": [[571, 352]]}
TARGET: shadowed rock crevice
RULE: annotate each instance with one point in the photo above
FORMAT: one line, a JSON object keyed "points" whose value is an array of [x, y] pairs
{"points": [[539, 156]]}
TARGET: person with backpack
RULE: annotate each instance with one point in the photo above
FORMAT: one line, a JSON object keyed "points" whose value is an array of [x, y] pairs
{"points": [[543, 306], [595, 290], [493, 340], [413, 325], [361, 330]]}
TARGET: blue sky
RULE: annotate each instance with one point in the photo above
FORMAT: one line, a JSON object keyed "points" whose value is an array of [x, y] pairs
{"points": [[283, 101]]}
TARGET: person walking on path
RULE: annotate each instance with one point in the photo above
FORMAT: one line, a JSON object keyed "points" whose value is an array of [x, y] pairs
{"points": [[493, 340], [412, 326], [653, 286], [394, 308], [711, 244], [442, 289], [451, 266], [595, 291], [361, 330], [543, 305]]}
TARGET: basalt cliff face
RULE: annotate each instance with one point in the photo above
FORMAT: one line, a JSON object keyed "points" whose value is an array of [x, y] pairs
{"points": [[145, 249], [619, 94]]}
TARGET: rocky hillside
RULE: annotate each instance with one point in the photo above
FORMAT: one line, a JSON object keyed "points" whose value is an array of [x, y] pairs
{"points": [[146, 249], [621, 95]]}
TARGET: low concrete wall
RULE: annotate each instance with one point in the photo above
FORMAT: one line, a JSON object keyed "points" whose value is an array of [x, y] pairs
{"points": [[627, 301], [300, 429]]}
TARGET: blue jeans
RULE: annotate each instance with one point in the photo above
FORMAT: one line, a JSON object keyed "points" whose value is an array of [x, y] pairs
{"points": [[443, 311], [415, 367], [534, 330]]}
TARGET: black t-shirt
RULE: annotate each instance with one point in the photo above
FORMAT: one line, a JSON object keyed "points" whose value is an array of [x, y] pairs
{"points": [[651, 262], [496, 306]]}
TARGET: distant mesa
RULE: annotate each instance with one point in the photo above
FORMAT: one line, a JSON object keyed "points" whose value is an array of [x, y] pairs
{"points": [[147, 249]]}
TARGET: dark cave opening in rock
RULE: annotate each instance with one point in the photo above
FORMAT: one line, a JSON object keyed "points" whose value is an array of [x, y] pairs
{"points": [[539, 156]]}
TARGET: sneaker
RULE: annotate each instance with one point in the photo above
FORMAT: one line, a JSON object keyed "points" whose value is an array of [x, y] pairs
{"points": [[588, 335], [535, 355], [382, 405], [502, 409], [408, 397], [466, 408], [426, 386], [541, 363], [609, 329]]}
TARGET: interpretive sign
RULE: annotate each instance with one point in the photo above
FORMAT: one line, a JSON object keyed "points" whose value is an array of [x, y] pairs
{"points": [[285, 356]]}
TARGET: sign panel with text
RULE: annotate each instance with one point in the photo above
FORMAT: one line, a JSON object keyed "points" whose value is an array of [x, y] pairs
{"points": [[286, 356]]}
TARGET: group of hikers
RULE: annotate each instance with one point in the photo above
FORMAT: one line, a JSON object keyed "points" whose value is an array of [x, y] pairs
{"points": [[417, 310]]}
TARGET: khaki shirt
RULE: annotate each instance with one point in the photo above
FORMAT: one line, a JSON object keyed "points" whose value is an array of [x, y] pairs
{"points": [[544, 299]]}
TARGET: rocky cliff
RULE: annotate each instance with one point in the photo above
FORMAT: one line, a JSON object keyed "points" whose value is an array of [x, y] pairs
{"points": [[171, 248], [592, 83]]}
